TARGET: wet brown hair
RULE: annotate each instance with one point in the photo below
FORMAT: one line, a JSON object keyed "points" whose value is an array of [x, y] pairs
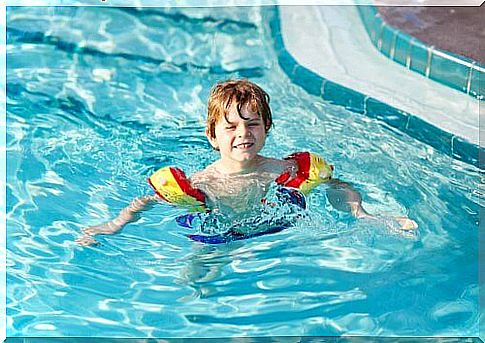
{"points": [[241, 92]]}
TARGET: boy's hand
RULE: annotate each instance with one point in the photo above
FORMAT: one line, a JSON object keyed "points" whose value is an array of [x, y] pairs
{"points": [[406, 223], [86, 240], [127, 215]]}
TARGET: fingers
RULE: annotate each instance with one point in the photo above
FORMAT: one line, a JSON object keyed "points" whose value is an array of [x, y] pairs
{"points": [[86, 241], [406, 223], [402, 226], [90, 231], [94, 230]]}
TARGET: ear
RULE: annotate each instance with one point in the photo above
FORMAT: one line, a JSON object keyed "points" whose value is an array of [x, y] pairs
{"points": [[267, 126], [211, 140]]}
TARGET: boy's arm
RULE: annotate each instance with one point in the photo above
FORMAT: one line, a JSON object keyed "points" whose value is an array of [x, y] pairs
{"points": [[127, 215], [344, 197]]}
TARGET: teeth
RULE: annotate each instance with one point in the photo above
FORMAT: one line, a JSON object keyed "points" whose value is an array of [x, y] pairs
{"points": [[244, 145]]}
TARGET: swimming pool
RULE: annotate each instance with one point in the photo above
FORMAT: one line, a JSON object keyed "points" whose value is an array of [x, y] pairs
{"points": [[98, 98]]}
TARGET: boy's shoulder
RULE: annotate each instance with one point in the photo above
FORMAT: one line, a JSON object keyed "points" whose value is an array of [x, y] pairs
{"points": [[207, 175], [276, 165], [207, 172], [266, 165]]}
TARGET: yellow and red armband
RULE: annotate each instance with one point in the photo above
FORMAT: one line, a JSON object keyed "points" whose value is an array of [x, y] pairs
{"points": [[312, 171], [173, 186]]}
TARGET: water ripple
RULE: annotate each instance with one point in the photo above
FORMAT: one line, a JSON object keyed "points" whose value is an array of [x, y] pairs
{"points": [[99, 99]]}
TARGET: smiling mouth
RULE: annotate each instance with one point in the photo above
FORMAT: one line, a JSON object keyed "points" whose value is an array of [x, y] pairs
{"points": [[244, 145]]}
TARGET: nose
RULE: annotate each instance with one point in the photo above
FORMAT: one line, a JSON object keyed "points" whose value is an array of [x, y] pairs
{"points": [[243, 131]]}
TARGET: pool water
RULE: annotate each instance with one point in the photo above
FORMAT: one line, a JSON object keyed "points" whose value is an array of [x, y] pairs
{"points": [[99, 98]]}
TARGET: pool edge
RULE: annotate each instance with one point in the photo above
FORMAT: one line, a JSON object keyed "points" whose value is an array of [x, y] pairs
{"points": [[402, 48], [450, 144]]}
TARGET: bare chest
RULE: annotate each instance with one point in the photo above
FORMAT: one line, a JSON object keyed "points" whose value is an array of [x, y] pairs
{"points": [[238, 193]]}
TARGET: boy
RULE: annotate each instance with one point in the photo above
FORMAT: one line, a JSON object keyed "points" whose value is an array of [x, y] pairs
{"points": [[239, 119]]}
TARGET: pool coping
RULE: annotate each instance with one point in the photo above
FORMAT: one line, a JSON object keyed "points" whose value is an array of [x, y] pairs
{"points": [[355, 101], [453, 70]]}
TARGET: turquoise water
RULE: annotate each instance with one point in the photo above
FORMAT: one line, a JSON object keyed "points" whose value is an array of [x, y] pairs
{"points": [[97, 99]]}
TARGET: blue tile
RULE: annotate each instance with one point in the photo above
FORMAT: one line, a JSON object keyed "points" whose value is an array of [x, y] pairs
{"points": [[372, 10], [390, 115], [477, 85], [364, 16], [278, 42], [274, 23], [367, 11], [459, 57], [429, 134], [274, 20], [419, 57], [387, 40], [375, 29], [286, 61], [449, 72], [468, 152], [401, 48], [367, 14], [308, 80], [343, 96]]}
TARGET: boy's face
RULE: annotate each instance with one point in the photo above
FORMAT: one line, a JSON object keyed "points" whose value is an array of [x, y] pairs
{"points": [[239, 140]]}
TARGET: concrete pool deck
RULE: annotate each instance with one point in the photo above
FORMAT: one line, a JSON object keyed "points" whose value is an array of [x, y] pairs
{"points": [[455, 29], [332, 42]]}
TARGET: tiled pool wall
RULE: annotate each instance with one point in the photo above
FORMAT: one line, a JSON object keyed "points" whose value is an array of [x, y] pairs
{"points": [[453, 70], [336, 94]]}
